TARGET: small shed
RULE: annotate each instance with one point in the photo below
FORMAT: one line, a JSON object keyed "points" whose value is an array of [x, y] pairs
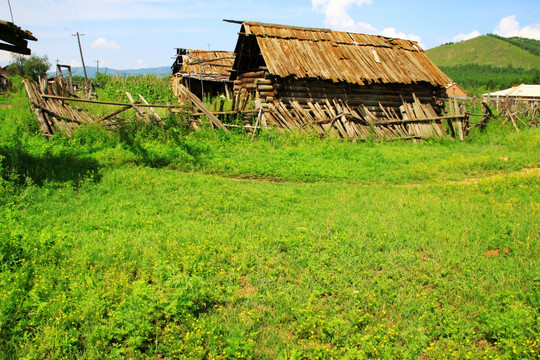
{"points": [[204, 73], [453, 90], [306, 75]]}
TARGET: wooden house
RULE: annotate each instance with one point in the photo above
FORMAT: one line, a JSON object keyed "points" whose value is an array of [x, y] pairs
{"points": [[455, 91], [302, 77], [205, 73]]}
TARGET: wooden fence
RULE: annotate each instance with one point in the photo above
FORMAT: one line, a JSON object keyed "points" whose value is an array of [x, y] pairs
{"points": [[53, 106]]}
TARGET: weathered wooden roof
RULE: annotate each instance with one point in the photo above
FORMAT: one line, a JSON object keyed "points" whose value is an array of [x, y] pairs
{"points": [[16, 38], [340, 56], [207, 65]]}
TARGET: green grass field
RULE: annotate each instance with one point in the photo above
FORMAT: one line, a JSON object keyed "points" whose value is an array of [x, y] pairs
{"points": [[163, 244]]}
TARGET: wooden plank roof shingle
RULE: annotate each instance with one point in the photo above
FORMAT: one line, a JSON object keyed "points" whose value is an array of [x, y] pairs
{"points": [[342, 56], [209, 65]]}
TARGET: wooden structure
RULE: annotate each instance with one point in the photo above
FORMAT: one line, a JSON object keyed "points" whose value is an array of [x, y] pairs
{"points": [[54, 114], [517, 104], [5, 83], [454, 90], [14, 38], [351, 85], [523, 92], [204, 73], [52, 102]]}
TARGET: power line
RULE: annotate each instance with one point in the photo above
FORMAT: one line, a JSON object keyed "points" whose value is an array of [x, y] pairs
{"points": [[61, 12], [61, 19], [70, 10], [75, 14]]}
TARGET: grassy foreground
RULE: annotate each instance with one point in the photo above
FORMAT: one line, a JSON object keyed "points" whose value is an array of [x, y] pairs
{"points": [[158, 244]]}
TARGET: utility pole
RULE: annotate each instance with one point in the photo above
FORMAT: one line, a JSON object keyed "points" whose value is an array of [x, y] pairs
{"points": [[97, 67], [82, 58], [11, 12]]}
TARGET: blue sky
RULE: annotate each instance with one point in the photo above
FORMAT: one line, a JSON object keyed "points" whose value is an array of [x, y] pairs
{"points": [[127, 34]]}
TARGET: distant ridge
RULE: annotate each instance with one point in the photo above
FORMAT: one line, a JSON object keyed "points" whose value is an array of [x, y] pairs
{"points": [[91, 71], [486, 50]]}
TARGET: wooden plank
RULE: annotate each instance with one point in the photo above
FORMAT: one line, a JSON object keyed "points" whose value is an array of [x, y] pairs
{"points": [[509, 114], [140, 113], [288, 115], [257, 123], [116, 112], [15, 49], [278, 117], [33, 95], [199, 104], [154, 113], [64, 98]]}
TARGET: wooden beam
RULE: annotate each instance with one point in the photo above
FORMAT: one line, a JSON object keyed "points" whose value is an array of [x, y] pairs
{"points": [[106, 102], [198, 103], [154, 113], [135, 105], [16, 41], [64, 98], [105, 117], [15, 49]]}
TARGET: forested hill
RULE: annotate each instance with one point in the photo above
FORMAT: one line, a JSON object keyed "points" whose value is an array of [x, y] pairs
{"points": [[488, 50], [530, 45]]}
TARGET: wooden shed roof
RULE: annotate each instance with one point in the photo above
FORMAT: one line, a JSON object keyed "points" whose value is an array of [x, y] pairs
{"points": [[16, 39], [340, 56], [216, 65]]}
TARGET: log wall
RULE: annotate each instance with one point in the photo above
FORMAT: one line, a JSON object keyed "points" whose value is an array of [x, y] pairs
{"points": [[266, 88], [350, 111]]}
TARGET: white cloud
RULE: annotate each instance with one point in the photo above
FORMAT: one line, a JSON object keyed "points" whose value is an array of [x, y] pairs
{"points": [[141, 63], [509, 26], [75, 63], [392, 32], [337, 13], [104, 44], [337, 18], [461, 36]]}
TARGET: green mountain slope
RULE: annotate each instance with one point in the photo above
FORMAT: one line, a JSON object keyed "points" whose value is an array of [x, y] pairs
{"points": [[484, 50], [531, 45]]}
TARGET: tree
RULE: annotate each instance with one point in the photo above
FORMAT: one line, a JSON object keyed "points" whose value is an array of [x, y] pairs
{"points": [[31, 66], [536, 78]]}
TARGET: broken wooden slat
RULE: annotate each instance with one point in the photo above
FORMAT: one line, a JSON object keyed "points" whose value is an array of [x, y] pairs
{"points": [[154, 113], [140, 113], [116, 112], [199, 104]]}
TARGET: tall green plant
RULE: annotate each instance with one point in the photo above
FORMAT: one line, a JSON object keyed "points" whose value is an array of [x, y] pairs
{"points": [[154, 89]]}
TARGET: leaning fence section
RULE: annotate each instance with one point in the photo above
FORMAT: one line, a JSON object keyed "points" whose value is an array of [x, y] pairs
{"points": [[56, 110], [337, 118]]}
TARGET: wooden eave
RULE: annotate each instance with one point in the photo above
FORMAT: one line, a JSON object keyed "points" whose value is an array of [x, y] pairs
{"points": [[15, 39]]}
